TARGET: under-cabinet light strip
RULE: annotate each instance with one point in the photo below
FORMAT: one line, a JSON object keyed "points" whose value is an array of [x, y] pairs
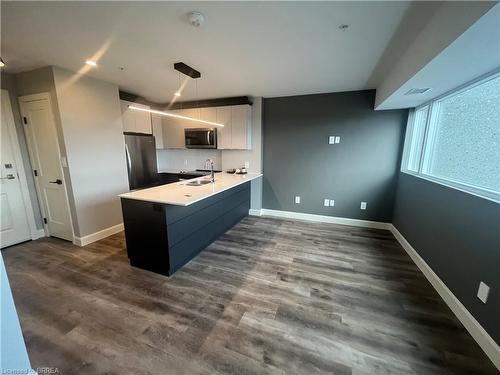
{"points": [[173, 115]]}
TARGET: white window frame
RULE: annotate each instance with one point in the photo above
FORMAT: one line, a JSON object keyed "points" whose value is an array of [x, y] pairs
{"points": [[426, 151]]}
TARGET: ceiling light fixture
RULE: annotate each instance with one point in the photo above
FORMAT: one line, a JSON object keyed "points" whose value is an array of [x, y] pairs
{"points": [[2, 64], [91, 63], [179, 88], [169, 114]]}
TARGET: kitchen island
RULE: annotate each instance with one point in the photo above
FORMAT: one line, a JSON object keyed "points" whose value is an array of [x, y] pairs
{"points": [[166, 226]]}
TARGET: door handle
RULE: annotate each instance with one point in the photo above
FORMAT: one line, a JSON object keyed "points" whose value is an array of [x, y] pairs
{"points": [[58, 181], [8, 177]]}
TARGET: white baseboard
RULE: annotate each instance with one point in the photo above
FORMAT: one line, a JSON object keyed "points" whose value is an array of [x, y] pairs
{"points": [[85, 240], [39, 233], [254, 212], [485, 341], [324, 219]]}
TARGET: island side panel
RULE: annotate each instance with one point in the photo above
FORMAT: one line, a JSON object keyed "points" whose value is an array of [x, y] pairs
{"points": [[193, 228], [146, 235]]}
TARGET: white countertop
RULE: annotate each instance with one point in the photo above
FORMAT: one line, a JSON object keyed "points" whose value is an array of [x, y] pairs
{"points": [[180, 194]]}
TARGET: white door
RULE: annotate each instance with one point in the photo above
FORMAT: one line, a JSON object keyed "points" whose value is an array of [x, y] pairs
{"points": [[46, 160], [14, 225]]}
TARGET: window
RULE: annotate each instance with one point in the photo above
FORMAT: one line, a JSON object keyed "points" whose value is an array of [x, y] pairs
{"points": [[455, 139]]}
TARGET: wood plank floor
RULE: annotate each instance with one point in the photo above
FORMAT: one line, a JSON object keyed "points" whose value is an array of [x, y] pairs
{"points": [[269, 296]]}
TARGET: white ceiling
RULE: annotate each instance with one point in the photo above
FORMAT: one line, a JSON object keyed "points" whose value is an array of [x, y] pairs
{"points": [[245, 48]]}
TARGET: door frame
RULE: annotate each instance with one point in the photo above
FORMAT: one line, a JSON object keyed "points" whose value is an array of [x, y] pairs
{"points": [[21, 172], [31, 98]]}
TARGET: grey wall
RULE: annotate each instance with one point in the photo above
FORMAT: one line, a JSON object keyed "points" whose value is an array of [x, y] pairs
{"points": [[458, 235], [90, 133], [39, 81], [8, 83], [93, 137], [299, 161]]}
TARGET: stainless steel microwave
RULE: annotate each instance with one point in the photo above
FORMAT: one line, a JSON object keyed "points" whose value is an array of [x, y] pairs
{"points": [[200, 137]]}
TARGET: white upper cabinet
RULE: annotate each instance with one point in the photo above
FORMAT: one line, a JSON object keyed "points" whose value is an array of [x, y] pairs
{"points": [[223, 116], [156, 125], [194, 113], [235, 135], [208, 114], [135, 121], [173, 131], [241, 127]]}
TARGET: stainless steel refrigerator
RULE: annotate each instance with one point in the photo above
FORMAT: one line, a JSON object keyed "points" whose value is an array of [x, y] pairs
{"points": [[141, 160]]}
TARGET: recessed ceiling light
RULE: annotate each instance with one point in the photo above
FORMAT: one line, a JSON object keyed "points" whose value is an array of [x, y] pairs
{"points": [[177, 93], [417, 91], [91, 63]]}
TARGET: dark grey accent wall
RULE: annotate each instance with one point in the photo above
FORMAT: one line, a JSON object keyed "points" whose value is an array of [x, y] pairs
{"points": [[458, 235], [299, 161]]}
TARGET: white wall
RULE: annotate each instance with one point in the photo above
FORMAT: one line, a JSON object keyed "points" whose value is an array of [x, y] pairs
{"points": [[42, 81], [8, 83], [170, 160], [237, 158], [93, 136], [13, 354]]}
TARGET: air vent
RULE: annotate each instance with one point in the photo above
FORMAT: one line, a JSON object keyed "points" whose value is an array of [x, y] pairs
{"points": [[417, 91]]}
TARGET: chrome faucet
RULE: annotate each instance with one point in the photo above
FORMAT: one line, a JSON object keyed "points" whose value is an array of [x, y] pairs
{"points": [[212, 177]]}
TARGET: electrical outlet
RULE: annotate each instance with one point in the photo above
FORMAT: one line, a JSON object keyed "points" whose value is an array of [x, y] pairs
{"points": [[363, 206], [337, 139], [326, 202], [247, 164], [331, 140], [483, 291], [297, 199], [332, 203]]}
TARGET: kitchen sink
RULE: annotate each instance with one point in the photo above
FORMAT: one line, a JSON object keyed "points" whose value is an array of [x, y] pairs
{"points": [[198, 182]]}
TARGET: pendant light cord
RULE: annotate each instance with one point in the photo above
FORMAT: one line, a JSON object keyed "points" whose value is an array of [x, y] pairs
{"points": [[197, 103]]}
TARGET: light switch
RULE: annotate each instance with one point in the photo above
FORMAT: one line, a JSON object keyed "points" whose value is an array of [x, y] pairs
{"points": [[332, 203], [331, 140], [363, 206], [297, 199], [337, 139], [247, 164], [483, 291], [326, 202]]}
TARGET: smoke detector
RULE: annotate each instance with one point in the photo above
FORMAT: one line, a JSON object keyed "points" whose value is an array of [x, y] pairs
{"points": [[196, 19]]}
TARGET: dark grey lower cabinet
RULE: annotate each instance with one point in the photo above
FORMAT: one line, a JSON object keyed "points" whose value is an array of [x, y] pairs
{"points": [[162, 238]]}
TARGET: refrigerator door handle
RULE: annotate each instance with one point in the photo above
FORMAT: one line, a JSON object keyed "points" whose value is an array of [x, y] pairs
{"points": [[129, 162]]}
